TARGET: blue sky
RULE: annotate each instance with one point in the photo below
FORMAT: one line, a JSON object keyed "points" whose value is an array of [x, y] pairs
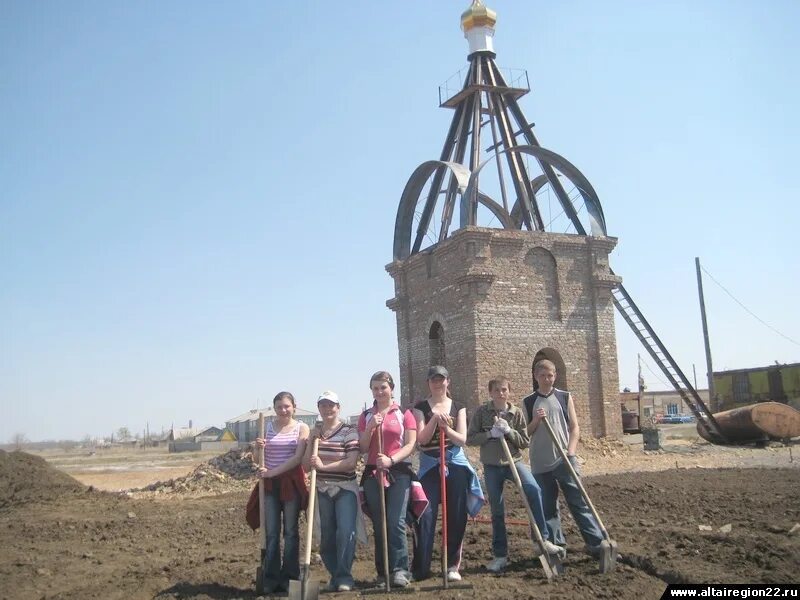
{"points": [[198, 199]]}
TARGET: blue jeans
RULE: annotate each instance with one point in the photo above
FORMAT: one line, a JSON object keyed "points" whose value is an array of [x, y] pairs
{"points": [[337, 519], [550, 482], [277, 513], [396, 505], [457, 488], [495, 477]]}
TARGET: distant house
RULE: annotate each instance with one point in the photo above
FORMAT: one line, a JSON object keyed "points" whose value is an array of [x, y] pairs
{"points": [[188, 439], [245, 426], [656, 404], [182, 433], [210, 434], [774, 383], [128, 442]]}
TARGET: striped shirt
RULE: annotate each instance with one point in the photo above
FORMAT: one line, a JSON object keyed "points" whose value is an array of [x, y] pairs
{"points": [[280, 447], [339, 445]]}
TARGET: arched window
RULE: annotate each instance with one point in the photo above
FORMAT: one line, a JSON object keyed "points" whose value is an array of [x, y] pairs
{"points": [[554, 356], [546, 296], [436, 344]]}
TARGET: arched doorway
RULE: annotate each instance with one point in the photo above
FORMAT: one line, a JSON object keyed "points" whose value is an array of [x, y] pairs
{"points": [[554, 356]]}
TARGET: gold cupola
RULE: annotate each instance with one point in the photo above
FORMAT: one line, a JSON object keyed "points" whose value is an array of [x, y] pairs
{"points": [[478, 23], [478, 15]]}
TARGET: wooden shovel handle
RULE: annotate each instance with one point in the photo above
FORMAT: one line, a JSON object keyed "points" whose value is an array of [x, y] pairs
{"points": [[575, 476], [443, 494], [543, 558], [312, 501], [261, 491], [379, 477]]}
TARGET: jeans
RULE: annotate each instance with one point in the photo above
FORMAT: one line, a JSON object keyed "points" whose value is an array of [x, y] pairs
{"points": [[495, 477], [550, 482], [457, 487], [337, 519], [396, 505], [275, 574]]}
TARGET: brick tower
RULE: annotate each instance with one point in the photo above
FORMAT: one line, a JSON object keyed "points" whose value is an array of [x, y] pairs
{"points": [[505, 288]]}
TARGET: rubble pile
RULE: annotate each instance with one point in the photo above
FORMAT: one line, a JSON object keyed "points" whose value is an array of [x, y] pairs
{"points": [[604, 446], [229, 472], [237, 463]]}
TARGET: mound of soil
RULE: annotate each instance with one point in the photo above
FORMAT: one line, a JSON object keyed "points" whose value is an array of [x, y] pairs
{"points": [[25, 479]]}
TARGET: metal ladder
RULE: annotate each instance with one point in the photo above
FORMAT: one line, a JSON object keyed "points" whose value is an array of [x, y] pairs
{"points": [[634, 317]]}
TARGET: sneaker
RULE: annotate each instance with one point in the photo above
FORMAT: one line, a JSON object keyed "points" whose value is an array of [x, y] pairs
{"points": [[343, 587], [593, 551], [497, 564], [453, 574], [401, 579]]}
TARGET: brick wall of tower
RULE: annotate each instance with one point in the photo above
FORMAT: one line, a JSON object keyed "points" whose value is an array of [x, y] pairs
{"points": [[502, 296]]}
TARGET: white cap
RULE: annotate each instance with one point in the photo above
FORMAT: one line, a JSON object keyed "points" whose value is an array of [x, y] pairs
{"points": [[328, 395]]}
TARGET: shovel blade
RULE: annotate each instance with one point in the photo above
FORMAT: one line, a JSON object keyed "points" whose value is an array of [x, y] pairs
{"points": [[608, 556], [307, 589], [259, 581], [557, 564], [551, 565]]}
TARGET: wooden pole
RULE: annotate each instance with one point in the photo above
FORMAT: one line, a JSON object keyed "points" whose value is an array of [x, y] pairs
{"points": [[712, 400]]}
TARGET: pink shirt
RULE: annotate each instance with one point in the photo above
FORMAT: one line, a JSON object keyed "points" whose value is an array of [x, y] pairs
{"points": [[394, 425]]}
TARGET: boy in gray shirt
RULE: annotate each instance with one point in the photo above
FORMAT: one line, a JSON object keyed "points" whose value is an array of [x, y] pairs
{"points": [[546, 462]]}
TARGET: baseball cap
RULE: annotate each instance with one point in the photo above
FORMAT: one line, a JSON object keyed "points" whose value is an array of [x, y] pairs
{"points": [[328, 395], [438, 371]]}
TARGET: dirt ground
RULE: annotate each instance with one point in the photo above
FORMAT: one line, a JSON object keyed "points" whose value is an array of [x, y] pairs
{"points": [[187, 539]]}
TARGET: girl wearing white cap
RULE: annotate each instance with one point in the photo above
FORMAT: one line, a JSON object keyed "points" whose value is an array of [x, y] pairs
{"points": [[337, 490]]}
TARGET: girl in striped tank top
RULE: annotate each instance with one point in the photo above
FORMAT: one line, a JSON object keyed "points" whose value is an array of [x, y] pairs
{"points": [[285, 492]]}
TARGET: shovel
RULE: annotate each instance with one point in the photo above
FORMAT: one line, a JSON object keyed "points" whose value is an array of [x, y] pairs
{"points": [[443, 494], [551, 563], [608, 547], [380, 476], [262, 529], [306, 589]]}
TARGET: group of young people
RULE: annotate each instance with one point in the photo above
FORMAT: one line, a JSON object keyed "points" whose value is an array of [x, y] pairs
{"points": [[387, 437]]}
